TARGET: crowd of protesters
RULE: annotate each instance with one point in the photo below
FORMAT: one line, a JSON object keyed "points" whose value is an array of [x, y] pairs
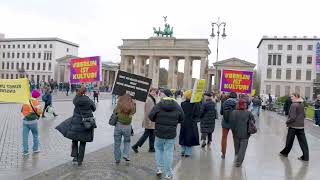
{"points": [[162, 115]]}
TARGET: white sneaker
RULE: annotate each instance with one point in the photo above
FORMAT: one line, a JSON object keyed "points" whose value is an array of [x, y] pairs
{"points": [[159, 172], [37, 151], [168, 177]]}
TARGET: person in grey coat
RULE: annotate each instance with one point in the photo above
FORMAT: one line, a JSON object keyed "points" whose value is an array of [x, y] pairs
{"points": [[239, 118], [295, 125], [84, 107]]}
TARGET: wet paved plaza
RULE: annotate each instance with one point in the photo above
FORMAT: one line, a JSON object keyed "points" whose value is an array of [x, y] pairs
{"points": [[261, 161]]}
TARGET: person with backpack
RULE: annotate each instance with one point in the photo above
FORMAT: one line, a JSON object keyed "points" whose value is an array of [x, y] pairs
{"points": [[31, 112], [208, 115], [256, 104], [317, 111], [189, 134], [240, 119], [47, 99], [166, 115], [147, 123], [228, 106], [295, 124]]}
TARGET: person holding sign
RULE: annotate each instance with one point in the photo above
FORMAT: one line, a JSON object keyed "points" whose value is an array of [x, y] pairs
{"points": [[31, 112], [189, 135]]}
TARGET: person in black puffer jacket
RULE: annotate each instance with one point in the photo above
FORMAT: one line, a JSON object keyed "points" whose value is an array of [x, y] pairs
{"points": [[208, 115], [84, 107], [166, 115]]}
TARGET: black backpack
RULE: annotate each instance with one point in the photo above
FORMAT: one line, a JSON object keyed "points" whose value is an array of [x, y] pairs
{"points": [[227, 112]]}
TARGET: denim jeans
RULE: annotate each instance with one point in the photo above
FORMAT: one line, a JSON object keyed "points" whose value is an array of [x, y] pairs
{"points": [[186, 150], [256, 110], [25, 136], [119, 131], [114, 99], [317, 117], [164, 154]]}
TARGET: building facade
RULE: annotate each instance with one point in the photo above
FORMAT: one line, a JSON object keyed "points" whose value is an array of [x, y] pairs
{"points": [[33, 58], [287, 65]]}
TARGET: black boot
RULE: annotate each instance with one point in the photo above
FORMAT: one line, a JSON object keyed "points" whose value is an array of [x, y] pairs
{"points": [[135, 148]]}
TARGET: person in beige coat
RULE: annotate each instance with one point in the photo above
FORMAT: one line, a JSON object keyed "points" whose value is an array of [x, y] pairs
{"points": [[147, 123]]}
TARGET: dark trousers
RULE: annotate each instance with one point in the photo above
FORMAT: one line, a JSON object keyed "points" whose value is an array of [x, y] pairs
{"points": [[204, 136], [317, 117], [94, 98], [302, 142], [240, 148], [147, 133], [45, 108], [78, 151]]}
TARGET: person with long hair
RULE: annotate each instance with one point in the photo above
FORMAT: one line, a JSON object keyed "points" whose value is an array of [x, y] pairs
{"points": [[240, 119], [124, 110], [295, 124], [147, 123]]}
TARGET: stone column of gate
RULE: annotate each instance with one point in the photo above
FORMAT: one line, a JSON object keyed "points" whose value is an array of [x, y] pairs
{"points": [[155, 71], [151, 67], [204, 70], [137, 65], [172, 76], [187, 77], [124, 63]]}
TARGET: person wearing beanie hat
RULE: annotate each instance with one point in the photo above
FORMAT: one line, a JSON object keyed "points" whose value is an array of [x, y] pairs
{"points": [[189, 134], [31, 111], [208, 115], [239, 118], [166, 115]]}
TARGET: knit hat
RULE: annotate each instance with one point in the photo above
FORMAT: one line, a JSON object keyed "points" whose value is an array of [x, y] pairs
{"points": [[167, 92], [242, 104], [35, 93], [188, 94]]}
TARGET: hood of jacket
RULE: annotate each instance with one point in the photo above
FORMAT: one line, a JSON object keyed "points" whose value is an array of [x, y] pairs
{"points": [[168, 104], [230, 102]]}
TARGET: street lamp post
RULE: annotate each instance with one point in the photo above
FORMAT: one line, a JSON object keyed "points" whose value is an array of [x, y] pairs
{"points": [[218, 24]]}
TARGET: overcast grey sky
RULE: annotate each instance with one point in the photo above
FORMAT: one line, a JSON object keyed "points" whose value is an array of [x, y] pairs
{"points": [[99, 25]]}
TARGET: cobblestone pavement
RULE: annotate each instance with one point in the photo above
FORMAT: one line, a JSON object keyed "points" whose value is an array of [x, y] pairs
{"points": [[55, 149]]}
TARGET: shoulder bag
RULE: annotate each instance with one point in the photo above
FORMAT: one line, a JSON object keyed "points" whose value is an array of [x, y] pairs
{"points": [[89, 122], [252, 129]]}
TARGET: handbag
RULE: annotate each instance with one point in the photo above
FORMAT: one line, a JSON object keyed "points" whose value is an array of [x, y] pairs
{"points": [[252, 129], [33, 115], [113, 119], [89, 122]]}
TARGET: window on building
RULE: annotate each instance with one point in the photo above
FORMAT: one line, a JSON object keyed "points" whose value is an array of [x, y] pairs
{"points": [[280, 47], [278, 75], [50, 45], [45, 46], [7, 76], [310, 47], [299, 59], [49, 78], [29, 46], [4, 46], [289, 59], [28, 55], [297, 89], [67, 49], [308, 75], [11, 76], [18, 67], [43, 77], [49, 66], [39, 66], [32, 66], [12, 55], [39, 45], [309, 60], [22, 65], [307, 92], [23, 46], [277, 91], [289, 47], [287, 90], [288, 74], [9, 46], [8, 55], [50, 56], [299, 47], [12, 65], [39, 55], [27, 66], [18, 46], [274, 60], [3, 55], [17, 76], [33, 55], [22, 55], [269, 73], [13, 46], [38, 78], [44, 66], [298, 74], [8, 65], [2, 76], [270, 47], [3, 65], [268, 89], [279, 60], [44, 56], [34, 46], [18, 55], [27, 76]]}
